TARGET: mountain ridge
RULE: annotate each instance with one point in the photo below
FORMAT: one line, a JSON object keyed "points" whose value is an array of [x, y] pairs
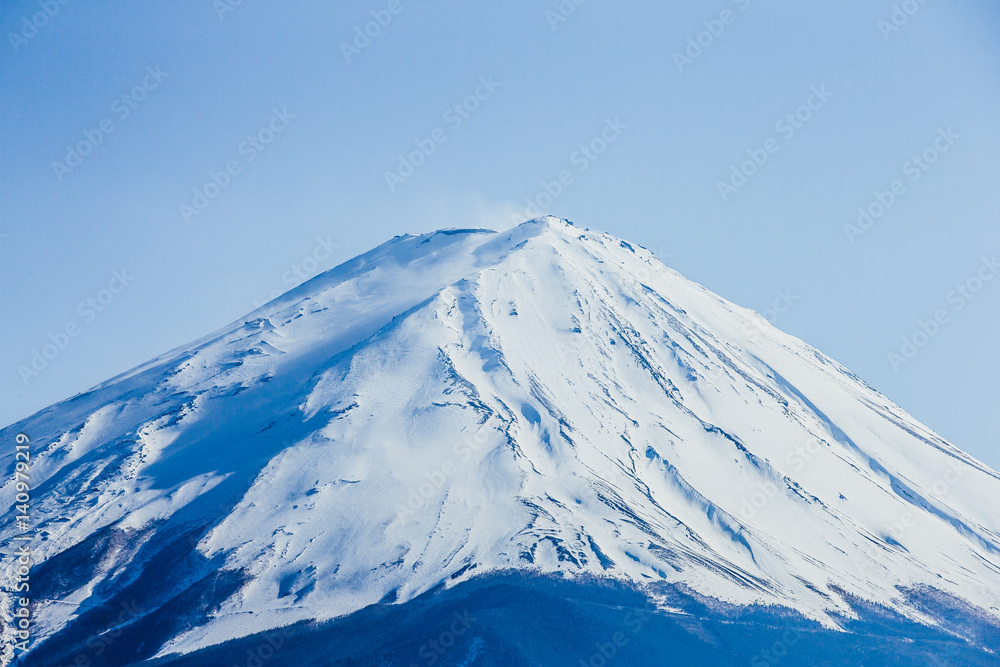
{"points": [[546, 399]]}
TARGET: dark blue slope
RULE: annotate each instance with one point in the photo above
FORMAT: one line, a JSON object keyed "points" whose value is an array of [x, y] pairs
{"points": [[514, 620]]}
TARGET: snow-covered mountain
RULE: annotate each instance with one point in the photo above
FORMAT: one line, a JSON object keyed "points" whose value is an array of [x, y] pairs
{"points": [[455, 405]]}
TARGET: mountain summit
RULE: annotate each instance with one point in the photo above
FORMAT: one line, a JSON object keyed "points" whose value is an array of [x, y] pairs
{"points": [[546, 403]]}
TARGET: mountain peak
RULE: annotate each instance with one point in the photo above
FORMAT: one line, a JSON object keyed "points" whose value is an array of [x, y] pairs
{"points": [[467, 402], [550, 221]]}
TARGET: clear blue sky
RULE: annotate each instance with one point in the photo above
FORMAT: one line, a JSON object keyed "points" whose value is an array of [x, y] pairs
{"points": [[297, 131]]}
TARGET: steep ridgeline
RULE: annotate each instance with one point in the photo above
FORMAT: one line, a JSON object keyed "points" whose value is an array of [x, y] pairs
{"points": [[455, 405]]}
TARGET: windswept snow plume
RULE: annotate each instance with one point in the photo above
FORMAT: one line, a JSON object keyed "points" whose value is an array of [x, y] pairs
{"points": [[546, 400]]}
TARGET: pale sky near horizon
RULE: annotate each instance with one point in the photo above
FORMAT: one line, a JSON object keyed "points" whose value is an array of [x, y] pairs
{"points": [[164, 168]]}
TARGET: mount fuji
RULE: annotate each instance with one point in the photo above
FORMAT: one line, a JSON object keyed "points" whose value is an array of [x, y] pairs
{"points": [[532, 447]]}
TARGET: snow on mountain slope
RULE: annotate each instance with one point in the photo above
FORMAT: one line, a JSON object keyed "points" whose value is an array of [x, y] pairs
{"points": [[445, 405]]}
